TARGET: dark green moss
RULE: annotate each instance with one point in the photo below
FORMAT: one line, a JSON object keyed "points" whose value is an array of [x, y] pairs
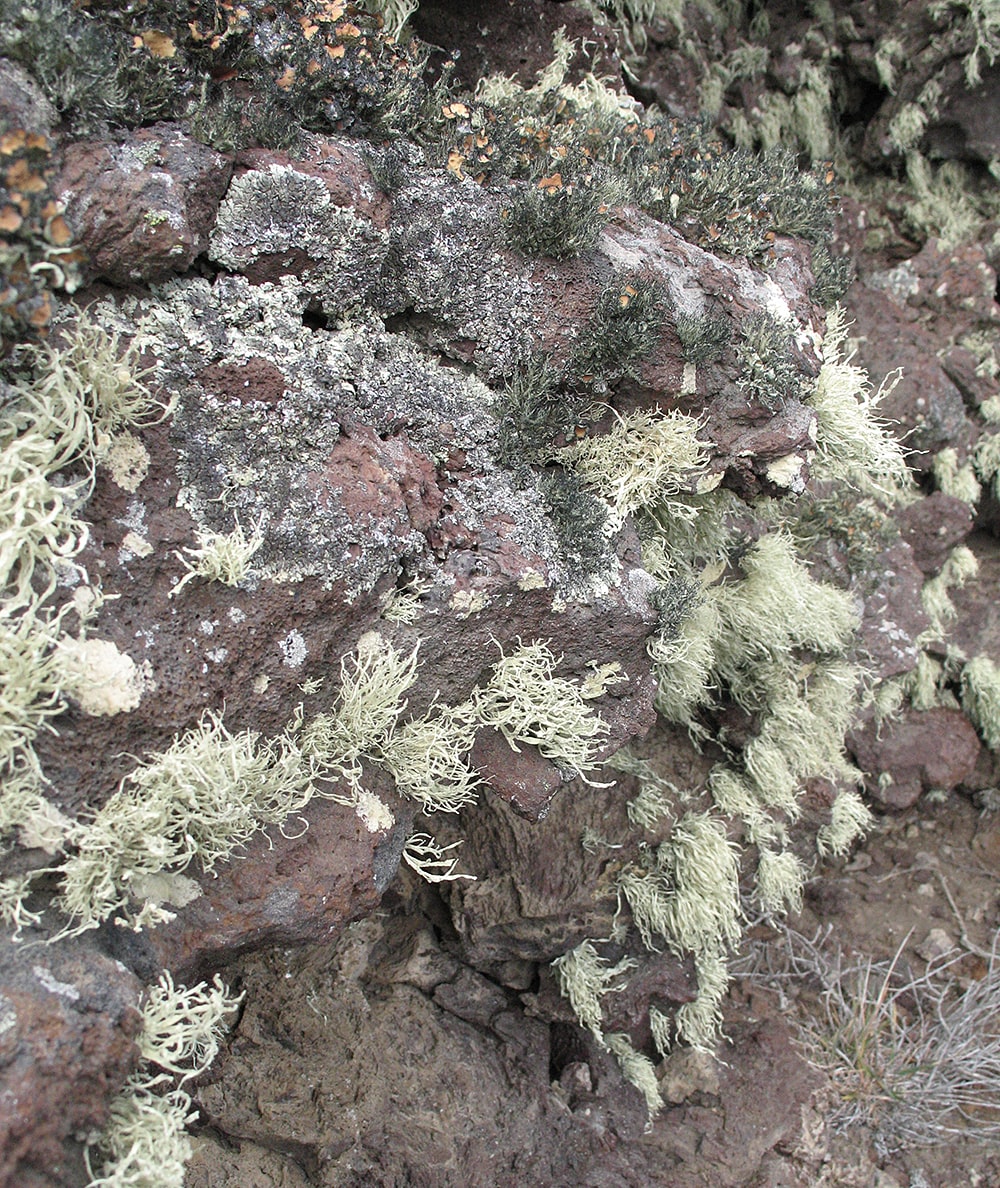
{"points": [[624, 328], [675, 599], [834, 276], [579, 520], [859, 528], [703, 337], [73, 57], [560, 222], [532, 410], [769, 372]]}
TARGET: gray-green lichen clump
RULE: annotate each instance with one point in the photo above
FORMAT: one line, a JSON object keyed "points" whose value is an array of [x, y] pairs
{"points": [[280, 210], [275, 462]]}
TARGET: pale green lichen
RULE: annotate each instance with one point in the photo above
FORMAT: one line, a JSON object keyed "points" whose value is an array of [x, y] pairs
{"points": [[431, 860], [144, 1144], [584, 978], [981, 698], [528, 704], [427, 759], [699, 1023], [649, 807], [960, 566], [643, 460], [956, 479], [701, 864], [220, 556], [638, 1070], [373, 682], [986, 460], [395, 13], [683, 664], [661, 1027], [907, 126], [203, 797], [849, 819], [780, 880], [981, 20], [852, 445]]}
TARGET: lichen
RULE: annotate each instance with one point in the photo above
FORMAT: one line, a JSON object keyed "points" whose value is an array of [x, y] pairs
{"points": [[278, 210]]}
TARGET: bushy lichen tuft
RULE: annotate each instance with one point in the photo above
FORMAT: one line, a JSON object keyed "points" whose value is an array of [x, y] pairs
{"points": [[981, 698], [852, 445], [643, 460], [528, 704]]}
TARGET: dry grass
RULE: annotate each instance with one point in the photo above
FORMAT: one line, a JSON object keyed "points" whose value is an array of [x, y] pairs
{"points": [[913, 1057]]}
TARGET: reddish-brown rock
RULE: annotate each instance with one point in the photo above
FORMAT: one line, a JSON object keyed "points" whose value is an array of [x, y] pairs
{"points": [[299, 887], [932, 527], [68, 1023], [142, 206], [922, 751]]}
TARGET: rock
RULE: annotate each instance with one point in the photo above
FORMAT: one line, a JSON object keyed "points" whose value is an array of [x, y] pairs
{"points": [[893, 616], [514, 38], [932, 527], [284, 889], [966, 127], [962, 368], [687, 1071], [925, 408], [22, 102], [142, 206], [68, 1024], [976, 627], [923, 750], [733, 1138]]}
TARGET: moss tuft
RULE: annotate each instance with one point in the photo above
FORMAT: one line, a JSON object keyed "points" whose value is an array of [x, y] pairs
{"points": [[769, 372]]}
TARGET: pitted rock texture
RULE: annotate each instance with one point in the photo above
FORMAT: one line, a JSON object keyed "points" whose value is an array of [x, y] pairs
{"points": [[68, 1024], [142, 207]]}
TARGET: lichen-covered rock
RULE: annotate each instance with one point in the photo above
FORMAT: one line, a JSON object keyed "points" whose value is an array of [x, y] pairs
{"points": [[141, 207], [277, 220]]}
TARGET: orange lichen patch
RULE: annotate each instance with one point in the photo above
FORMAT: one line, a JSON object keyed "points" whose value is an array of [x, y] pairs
{"points": [[285, 80], [10, 219], [336, 51], [347, 30], [57, 231], [551, 183], [309, 29], [20, 176], [329, 10], [451, 111], [40, 317], [455, 162], [313, 67], [159, 44]]}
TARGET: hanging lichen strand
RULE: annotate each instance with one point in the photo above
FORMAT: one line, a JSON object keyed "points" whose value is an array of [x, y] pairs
{"points": [[761, 633]]}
